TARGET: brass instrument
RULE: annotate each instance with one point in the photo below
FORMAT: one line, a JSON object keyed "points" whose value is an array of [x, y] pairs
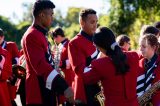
{"points": [[57, 54], [101, 98], [56, 57], [143, 99], [19, 71]]}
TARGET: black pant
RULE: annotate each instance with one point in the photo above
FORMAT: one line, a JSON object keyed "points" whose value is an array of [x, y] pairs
{"points": [[91, 91], [21, 92], [35, 105]]}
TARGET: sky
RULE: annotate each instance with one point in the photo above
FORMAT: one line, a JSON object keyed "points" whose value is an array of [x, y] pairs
{"points": [[13, 9]]}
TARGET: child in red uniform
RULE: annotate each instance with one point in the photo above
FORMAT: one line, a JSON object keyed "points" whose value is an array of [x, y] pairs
{"points": [[149, 67], [117, 70]]}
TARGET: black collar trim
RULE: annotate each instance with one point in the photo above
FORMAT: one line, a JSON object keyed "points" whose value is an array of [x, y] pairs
{"points": [[89, 37], [39, 28]]}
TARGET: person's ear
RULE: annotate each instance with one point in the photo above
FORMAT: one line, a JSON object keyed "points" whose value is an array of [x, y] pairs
{"points": [[41, 15], [81, 22], [3, 37]]}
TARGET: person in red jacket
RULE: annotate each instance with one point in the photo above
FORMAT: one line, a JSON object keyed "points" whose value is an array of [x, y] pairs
{"points": [[145, 30], [12, 48], [43, 82], [5, 73], [61, 53], [149, 67], [81, 52], [124, 42], [116, 71], [62, 41]]}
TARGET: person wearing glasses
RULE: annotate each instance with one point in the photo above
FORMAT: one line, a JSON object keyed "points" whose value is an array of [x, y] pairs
{"points": [[124, 42]]}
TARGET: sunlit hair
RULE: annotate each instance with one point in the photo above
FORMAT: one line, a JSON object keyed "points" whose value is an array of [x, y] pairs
{"points": [[149, 29], [157, 25], [40, 5], [85, 12], [105, 39], [121, 39], [151, 40], [57, 31]]}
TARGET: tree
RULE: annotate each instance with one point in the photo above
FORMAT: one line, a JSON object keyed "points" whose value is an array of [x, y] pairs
{"points": [[58, 19], [72, 16], [128, 16], [103, 20], [10, 30], [27, 14], [122, 15]]}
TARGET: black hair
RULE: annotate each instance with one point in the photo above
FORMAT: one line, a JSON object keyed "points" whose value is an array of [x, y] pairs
{"points": [[121, 39], [1, 32], [40, 5], [157, 25], [57, 31], [85, 12], [104, 38], [149, 29]]}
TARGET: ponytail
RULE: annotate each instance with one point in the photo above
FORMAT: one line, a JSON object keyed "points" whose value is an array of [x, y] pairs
{"points": [[105, 39], [119, 60]]}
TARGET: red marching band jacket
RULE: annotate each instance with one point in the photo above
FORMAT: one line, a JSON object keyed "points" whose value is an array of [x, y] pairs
{"points": [[79, 49], [119, 90], [5, 73], [35, 46], [65, 64], [12, 48], [156, 97]]}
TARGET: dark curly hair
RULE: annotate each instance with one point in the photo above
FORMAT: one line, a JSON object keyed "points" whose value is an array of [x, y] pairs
{"points": [[40, 5]]}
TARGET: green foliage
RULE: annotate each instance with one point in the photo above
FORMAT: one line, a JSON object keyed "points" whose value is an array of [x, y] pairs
{"points": [[10, 31], [58, 19], [27, 14], [124, 17], [73, 30], [128, 16], [103, 20], [70, 22], [72, 16], [147, 13], [21, 28]]}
